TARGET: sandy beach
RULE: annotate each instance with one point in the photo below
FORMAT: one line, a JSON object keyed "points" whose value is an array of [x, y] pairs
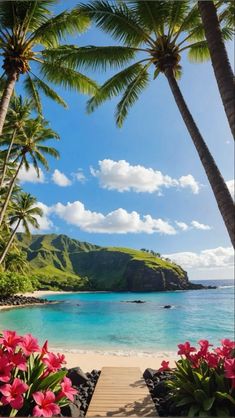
{"points": [[96, 360]]}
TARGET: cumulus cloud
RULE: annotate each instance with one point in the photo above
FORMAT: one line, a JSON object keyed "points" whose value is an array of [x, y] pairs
{"points": [[118, 221], [182, 225], [79, 176], [231, 187], [122, 176], [198, 225], [220, 257], [30, 176], [60, 179]]}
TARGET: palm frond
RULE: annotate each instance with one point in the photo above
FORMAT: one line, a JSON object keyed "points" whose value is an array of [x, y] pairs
{"points": [[131, 94], [68, 78], [91, 56], [48, 91], [57, 27], [32, 92], [199, 52], [47, 150], [176, 14], [151, 14], [116, 19], [114, 86]]}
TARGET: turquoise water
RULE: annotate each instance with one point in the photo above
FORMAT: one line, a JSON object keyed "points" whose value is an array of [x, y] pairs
{"points": [[102, 322]]}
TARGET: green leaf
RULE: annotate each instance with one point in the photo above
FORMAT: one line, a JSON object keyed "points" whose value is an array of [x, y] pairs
{"points": [[194, 409], [224, 395], [48, 91], [156, 73], [200, 396], [208, 403], [52, 381], [185, 401]]}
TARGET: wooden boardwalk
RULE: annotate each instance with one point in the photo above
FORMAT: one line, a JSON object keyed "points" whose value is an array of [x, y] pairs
{"points": [[121, 392]]}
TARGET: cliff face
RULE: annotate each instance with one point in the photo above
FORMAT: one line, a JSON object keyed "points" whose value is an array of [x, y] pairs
{"points": [[58, 257]]}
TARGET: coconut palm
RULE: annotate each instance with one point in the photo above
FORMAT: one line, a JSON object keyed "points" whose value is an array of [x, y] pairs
{"points": [[154, 35], [25, 212], [219, 58], [30, 148], [19, 111], [28, 29]]}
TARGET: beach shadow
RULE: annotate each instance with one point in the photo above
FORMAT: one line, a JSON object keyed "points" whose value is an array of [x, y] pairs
{"points": [[143, 408]]}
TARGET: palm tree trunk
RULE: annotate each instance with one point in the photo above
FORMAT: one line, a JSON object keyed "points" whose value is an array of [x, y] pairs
{"points": [[9, 242], [220, 62], [9, 193], [223, 197], [6, 97], [7, 158]]}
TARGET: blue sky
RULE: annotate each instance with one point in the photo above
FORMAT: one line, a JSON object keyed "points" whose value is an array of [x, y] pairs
{"points": [[184, 221]]}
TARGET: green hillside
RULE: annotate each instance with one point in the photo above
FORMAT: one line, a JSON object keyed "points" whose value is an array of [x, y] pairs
{"points": [[66, 263]]}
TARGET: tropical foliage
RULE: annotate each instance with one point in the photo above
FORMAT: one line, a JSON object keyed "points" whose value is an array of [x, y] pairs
{"points": [[203, 383], [30, 37], [32, 382], [13, 283]]}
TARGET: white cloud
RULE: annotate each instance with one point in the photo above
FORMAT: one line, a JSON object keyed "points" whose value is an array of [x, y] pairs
{"points": [[220, 257], [118, 221], [198, 225], [60, 179], [182, 225], [122, 176], [231, 187], [80, 176], [30, 176], [189, 181]]}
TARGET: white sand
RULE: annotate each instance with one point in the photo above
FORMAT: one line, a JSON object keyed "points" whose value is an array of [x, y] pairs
{"points": [[92, 360]]}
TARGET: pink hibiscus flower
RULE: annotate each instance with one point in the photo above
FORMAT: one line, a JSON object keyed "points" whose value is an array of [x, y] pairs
{"points": [[10, 340], [204, 344], [186, 349], [164, 366], [229, 368], [29, 344], [5, 369], [67, 390], [19, 360], [54, 361], [12, 394], [46, 406]]}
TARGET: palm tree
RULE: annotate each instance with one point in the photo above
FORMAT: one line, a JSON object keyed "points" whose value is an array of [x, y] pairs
{"points": [[28, 30], [28, 149], [219, 58], [155, 33], [19, 111], [25, 212]]}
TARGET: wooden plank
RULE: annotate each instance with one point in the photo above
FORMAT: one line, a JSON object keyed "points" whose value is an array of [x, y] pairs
{"points": [[121, 391]]}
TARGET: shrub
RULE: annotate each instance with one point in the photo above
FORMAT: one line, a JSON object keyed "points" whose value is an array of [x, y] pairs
{"points": [[31, 380], [203, 382], [12, 283]]}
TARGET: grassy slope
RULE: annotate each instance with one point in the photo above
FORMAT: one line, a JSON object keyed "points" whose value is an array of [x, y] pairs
{"points": [[60, 258]]}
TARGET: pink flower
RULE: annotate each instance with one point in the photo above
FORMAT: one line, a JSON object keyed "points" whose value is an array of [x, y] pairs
{"points": [[10, 340], [46, 406], [185, 349], [228, 343], [229, 368], [212, 360], [165, 366], [204, 346], [29, 344], [12, 394], [5, 369], [54, 361], [19, 361], [44, 350], [67, 390]]}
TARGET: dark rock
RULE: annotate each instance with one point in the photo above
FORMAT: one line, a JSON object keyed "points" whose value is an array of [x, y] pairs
{"points": [[149, 374], [72, 410], [77, 376], [167, 307], [134, 301], [160, 389]]}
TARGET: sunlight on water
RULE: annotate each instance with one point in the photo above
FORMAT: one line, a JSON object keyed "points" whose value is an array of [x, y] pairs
{"points": [[104, 321]]}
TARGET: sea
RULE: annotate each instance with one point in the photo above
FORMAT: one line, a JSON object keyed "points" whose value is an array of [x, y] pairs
{"points": [[108, 322]]}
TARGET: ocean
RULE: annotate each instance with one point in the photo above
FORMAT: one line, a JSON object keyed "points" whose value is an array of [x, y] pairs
{"points": [[106, 322]]}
